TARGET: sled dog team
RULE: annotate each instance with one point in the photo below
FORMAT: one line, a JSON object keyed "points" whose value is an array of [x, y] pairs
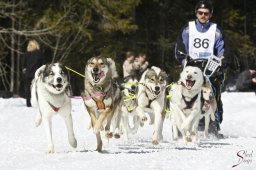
{"points": [[120, 109]]}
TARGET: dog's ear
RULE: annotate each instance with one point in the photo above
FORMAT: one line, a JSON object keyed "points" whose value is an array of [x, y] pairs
{"points": [[112, 67], [40, 71], [143, 76]]}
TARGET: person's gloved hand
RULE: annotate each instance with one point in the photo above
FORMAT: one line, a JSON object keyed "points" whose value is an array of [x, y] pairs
{"points": [[24, 70], [224, 62], [254, 80]]}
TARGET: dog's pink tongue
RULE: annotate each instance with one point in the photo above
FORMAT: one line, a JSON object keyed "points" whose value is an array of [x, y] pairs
{"points": [[189, 83], [101, 74]]}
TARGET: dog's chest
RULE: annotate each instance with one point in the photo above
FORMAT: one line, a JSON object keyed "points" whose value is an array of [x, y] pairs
{"points": [[56, 100], [190, 103]]}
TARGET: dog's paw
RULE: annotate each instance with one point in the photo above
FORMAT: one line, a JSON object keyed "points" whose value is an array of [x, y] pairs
{"points": [[116, 135], [144, 119], [175, 138], [38, 120], [151, 122], [72, 142], [109, 134], [141, 124], [155, 142], [89, 126], [206, 134], [50, 149], [188, 139]]}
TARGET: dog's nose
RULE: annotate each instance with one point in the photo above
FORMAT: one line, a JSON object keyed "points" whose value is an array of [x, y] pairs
{"points": [[189, 77], [133, 87], [95, 69], [157, 88], [59, 79]]}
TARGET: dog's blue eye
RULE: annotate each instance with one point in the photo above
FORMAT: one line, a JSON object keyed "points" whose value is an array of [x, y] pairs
{"points": [[51, 73], [62, 72]]}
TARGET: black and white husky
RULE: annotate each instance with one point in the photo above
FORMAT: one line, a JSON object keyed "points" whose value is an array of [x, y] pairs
{"points": [[49, 94], [151, 99]]}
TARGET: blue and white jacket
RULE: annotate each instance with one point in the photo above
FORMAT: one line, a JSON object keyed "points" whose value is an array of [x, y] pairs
{"points": [[183, 40]]}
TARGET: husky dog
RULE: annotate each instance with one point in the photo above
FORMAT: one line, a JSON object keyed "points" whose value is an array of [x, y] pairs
{"points": [[185, 103], [102, 96], [129, 104], [50, 94], [209, 106], [151, 99]]}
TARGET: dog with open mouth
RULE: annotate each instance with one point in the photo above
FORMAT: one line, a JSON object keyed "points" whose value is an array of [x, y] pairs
{"points": [[151, 99], [185, 103], [50, 94], [101, 97]]}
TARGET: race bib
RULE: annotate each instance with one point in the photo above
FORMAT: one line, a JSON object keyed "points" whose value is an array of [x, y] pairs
{"points": [[201, 45]]}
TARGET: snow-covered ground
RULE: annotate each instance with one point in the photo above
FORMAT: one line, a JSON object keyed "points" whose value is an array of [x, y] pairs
{"points": [[23, 146]]}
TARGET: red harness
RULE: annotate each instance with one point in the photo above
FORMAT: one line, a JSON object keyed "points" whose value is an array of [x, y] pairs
{"points": [[56, 109]]}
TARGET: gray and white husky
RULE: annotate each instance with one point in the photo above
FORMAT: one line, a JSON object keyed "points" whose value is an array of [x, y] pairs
{"points": [[128, 106], [151, 99], [49, 94]]}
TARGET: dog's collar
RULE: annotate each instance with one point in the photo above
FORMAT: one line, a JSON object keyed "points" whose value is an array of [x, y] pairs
{"points": [[189, 104], [54, 108]]}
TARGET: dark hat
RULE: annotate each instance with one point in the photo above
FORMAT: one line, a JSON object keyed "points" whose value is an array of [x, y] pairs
{"points": [[204, 4]]}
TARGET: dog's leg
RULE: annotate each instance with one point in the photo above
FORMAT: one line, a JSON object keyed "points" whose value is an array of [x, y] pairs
{"points": [[92, 116], [136, 124], [117, 123], [100, 120], [158, 121], [206, 126], [194, 131], [71, 136], [174, 132], [125, 125], [141, 114], [38, 118], [99, 142], [186, 125], [160, 135], [48, 129]]}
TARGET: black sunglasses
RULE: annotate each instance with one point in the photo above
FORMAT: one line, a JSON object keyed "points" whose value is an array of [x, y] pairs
{"points": [[203, 13]]}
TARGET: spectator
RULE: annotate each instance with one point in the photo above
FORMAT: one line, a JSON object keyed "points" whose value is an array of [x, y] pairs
{"points": [[128, 67], [33, 59], [141, 63], [246, 80]]}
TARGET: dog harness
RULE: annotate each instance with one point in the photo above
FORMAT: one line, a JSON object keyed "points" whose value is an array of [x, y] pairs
{"points": [[54, 108], [130, 102], [189, 104], [98, 95]]}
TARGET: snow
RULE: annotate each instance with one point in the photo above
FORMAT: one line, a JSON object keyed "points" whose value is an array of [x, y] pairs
{"points": [[23, 146]]}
